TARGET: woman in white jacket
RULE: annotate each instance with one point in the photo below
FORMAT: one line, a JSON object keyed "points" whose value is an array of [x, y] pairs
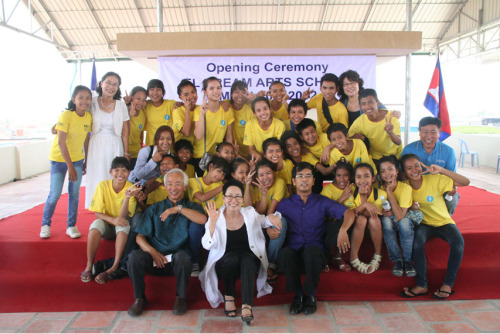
{"points": [[237, 246]]}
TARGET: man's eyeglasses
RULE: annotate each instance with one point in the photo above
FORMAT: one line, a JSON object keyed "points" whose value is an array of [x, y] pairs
{"points": [[304, 176], [237, 197]]}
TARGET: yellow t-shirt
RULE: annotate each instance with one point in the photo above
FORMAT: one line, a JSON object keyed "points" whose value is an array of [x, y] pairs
{"points": [[321, 143], [77, 129], [157, 195], [157, 117], [108, 202], [179, 117], [431, 200], [241, 118], [403, 195], [382, 197], [190, 171], [216, 125], [358, 155], [332, 192], [338, 112], [197, 185], [288, 126], [308, 157], [255, 136], [286, 172], [380, 142], [277, 191], [281, 113], [137, 126]]}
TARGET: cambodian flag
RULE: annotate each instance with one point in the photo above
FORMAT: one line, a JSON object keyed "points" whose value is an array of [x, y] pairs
{"points": [[435, 102], [93, 80]]}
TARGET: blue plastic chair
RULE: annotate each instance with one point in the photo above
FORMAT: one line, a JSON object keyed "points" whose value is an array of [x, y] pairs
{"points": [[464, 150], [498, 162]]}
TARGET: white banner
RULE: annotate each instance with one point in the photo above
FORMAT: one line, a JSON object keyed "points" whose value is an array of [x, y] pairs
{"points": [[296, 72]]}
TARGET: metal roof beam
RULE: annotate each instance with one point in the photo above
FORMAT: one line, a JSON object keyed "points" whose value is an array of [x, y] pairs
{"points": [[278, 14], [51, 18], [324, 14], [8, 26], [232, 14], [453, 18], [368, 15], [98, 22], [140, 16], [13, 10], [186, 15]]}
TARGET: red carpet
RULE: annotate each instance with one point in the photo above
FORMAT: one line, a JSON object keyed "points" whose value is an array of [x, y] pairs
{"points": [[44, 275]]}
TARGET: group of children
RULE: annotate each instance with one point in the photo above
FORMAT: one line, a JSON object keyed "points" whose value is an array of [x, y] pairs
{"points": [[258, 141]]}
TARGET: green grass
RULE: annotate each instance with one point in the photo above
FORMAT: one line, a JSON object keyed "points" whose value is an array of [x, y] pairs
{"points": [[475, 129]]}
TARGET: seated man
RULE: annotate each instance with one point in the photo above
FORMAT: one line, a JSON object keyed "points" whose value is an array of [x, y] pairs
{"points": [[164, 243], [306, 214], [431, 151]]}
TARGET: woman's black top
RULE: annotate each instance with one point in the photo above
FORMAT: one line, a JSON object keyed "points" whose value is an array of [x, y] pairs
{"points": [[237, 240]]}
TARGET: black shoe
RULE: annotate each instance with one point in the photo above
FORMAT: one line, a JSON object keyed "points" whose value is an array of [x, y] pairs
{"points": [[296, 306], [309, 305], [118, 274], [249, 318], [410, 270], [180, 306], [137, 307], [397, 269], [98, 268]]}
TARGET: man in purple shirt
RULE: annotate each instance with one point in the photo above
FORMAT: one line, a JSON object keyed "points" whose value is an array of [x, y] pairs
{"points": [[306, 214]]}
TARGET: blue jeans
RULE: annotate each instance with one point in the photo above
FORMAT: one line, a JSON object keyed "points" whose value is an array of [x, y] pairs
{"points": [[57, 175], [404, 228], [275, 245], [196, 232], [448, 233]]}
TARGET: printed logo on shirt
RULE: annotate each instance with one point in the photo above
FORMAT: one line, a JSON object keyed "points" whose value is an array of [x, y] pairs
{"points": [[223, 122], [140, 126], [430, 199], [243, 122], [86, 127], [382, 197], [272, 197], [358, 160], [167, 117]]}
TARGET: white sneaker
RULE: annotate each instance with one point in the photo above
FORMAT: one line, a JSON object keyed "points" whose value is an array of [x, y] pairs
{"points": [[73, 233], [195, 272], [45, 232]]}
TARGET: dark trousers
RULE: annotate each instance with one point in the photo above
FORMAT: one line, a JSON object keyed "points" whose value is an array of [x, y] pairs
{"points": [[139, 263], [234, 265], [310, 259]]}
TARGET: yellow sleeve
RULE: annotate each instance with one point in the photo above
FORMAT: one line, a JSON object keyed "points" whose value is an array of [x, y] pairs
{"points": [[445, 183], [132, 203], [404, 199], [313, 102], [280, 128], [98, 204], [178, 116], [280, 190], [230, 116], [196, 114], [356, 127], [63, 122], [193, 187], [327, 191], [248, 136]]}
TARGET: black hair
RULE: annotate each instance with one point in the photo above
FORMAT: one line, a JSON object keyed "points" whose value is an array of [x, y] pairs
{"points": [[301, 166], [284, 138], [270, 141], [364, 165], [220, 146], [351, 76], [156, 83], [265, 163], [169, 155], [138, 89], [330, 77], [233, 183], [343, 164], [237, 84], [304, 124], [407, 157], [120, 162], [297, 103], [237, 162], [182, 84], [78, 89], [118, 94], [276, 82], [368, 92], [336, 127], [260, 99], [160, 130], [207, 80], [218, 162], [387, 158], [183, 143], [429, 120]]}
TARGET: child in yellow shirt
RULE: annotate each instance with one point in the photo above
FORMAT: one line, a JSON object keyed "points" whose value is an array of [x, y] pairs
{"points": [[279, 97], [240, 102], [137, 97], [274, 153], [183, 124], [297, 111], [184, 152], [113, 203], [66, 155]]}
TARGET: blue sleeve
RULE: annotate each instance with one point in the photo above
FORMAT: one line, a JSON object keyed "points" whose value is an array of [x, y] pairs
{"points": [[143, 166], [410, 148], [196, 207], [451, 159], [334, 209], [145, 226]]}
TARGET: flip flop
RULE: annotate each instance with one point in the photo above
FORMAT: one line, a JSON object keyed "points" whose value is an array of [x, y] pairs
{"points": [[86, 276], [449, 294], [273, 277], [410, 294], [102, 278]]}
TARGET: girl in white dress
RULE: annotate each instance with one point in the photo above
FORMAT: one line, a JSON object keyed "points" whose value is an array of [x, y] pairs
{"points": [[110, 131]]}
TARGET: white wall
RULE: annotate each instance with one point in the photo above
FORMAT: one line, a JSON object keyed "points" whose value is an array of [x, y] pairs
{"points": [[8, 164]]}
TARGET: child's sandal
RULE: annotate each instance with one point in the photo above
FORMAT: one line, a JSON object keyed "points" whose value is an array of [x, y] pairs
{"points": [[360, 266]]}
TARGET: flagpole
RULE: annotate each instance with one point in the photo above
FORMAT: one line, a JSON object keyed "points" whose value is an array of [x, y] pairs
{"points": [[408, 77]]}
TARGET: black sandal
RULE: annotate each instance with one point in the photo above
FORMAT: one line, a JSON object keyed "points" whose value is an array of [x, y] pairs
{"points": [[229, 313], [249, 318], [273, 277]]}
